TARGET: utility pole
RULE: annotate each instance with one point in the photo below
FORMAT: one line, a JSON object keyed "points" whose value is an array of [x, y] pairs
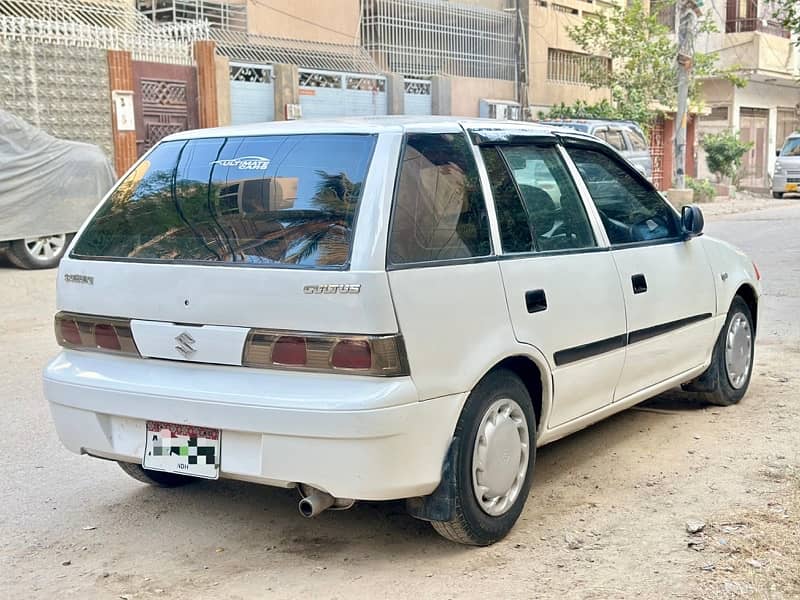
{"points": [[687, 12]]}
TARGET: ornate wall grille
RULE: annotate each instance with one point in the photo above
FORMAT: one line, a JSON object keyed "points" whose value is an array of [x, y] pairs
{"points": [[426, 37], [107, 25], [366, 84], [251, 74], [320, 80], [418, 87]]}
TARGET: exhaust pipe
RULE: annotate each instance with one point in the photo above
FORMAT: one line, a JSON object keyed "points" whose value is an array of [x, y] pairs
{"points": [[316, 502]]}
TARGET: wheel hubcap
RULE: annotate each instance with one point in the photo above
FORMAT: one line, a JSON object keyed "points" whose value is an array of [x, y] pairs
{"points": [[738, 350], [500, 457], [46, 247]]}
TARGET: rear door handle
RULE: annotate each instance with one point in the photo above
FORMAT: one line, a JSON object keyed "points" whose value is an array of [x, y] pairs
{"points": [[639, 283], [535, 301]]}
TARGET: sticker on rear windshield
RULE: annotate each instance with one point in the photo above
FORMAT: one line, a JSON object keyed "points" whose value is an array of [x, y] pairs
{"points": [[245, 163]]}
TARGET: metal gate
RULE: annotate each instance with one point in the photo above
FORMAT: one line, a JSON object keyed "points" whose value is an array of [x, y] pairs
{"points": [[753, 125], [417, 97], [252, 93], [165, 101], [657, 152], [334, 94]]}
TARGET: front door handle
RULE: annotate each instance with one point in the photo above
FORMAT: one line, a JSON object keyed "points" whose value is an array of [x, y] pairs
{"points": [[639, 283], [535, 301]]}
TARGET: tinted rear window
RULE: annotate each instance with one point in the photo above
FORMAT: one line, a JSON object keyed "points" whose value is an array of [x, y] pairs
{"points": [[273, 200]]}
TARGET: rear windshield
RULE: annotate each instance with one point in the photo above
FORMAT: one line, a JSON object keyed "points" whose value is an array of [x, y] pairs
{"points": [[271, 200]]}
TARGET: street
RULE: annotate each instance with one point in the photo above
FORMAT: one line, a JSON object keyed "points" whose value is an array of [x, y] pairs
{"points": [[606, 517]]}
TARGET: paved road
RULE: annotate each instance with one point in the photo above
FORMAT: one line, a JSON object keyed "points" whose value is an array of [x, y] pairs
{"points": [[620, 492], [772, 239]]}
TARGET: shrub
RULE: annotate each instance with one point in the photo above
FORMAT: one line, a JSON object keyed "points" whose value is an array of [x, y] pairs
{"points": [[724, 153], [703, 189]]}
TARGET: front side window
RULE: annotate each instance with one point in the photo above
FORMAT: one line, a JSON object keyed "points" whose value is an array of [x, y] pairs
{"points": [[271, 200], [439, 210], [539, 207], [631, 212]]}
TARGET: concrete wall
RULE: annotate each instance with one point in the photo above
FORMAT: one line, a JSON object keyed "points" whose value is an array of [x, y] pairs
{"points": [[324, 21], [62, 90], [547, 28], [466, 93], [222, 67]]}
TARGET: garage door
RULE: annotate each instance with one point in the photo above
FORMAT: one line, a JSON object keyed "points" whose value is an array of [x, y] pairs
{"points": [[331, 94], [417, 96], [252, 94]]}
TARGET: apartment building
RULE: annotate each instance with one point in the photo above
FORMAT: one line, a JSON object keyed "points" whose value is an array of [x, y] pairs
{"points": [[751, 41], [556, 63]]}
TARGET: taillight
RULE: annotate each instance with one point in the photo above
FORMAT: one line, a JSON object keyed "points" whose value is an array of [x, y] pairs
{"points": [[290, 351], [758, 273], [382, 355], [87, 332], [352, 354]]}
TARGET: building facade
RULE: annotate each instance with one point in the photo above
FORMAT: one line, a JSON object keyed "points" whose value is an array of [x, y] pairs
{"points": [[764, 111]]}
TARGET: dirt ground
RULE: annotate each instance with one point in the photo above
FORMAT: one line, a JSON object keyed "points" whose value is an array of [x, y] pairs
{"points": [[606, 519]]}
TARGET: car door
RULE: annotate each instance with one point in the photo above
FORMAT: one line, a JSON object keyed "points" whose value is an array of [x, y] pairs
{"points": [[666, 279], [561, 284]]}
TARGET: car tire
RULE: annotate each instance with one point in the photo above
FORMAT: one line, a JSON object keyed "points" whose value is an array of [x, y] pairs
{"points": [[728, 376], [777, 195], [39, 253], [156, 478], [497, 423]]}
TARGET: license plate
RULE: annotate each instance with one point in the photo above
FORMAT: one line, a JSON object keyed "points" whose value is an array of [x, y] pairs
{"points": [[791, 187], [182, 449]]}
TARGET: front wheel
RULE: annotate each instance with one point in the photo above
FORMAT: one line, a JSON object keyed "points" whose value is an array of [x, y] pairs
{"points": [[777, 195], [39, 253], [496, 437]]}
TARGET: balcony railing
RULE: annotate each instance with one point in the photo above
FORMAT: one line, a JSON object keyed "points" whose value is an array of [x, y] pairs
{"points": [[764, 25]]}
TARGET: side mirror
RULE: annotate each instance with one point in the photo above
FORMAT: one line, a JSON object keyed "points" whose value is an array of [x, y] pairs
{"points": [[692, 220], [778, 152]]}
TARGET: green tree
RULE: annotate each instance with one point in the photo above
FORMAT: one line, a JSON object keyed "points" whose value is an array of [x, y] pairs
{"points": [[642, 52], [724, 154], [788, 11]]}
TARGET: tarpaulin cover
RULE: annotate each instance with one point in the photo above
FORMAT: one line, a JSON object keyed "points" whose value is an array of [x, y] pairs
{"points": [[47, 185]]}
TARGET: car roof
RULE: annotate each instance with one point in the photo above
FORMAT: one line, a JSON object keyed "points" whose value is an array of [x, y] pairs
{"points": [[372, 125], [591, 122]]}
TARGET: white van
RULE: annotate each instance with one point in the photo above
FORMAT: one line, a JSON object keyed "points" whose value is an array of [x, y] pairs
{"points": [[385, 309]]}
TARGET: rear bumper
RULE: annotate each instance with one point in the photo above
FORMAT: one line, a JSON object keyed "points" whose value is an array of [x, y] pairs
{"points": [[354, 437]]}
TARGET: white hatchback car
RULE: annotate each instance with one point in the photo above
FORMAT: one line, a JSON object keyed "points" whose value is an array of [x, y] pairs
{"points": [[385, 309]]}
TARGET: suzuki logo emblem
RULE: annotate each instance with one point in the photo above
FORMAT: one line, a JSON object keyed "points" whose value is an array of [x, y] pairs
{"points": [[185, 344]]}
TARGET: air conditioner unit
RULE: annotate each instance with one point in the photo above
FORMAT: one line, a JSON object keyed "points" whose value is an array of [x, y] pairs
{"points": [[502, 110]]}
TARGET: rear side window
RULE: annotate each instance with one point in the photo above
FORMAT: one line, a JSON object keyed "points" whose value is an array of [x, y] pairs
{"points": [[637, 140], [271, 200], [614, 137], [439, 210]]}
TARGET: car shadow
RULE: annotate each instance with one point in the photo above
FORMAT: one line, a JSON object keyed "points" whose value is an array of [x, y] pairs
{"points": [[261, 518]]}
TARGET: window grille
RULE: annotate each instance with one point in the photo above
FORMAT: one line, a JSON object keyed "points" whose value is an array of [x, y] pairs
{"points": [[421, 38], [564, 66], [417, 87], [320, 80], [231, 14]]}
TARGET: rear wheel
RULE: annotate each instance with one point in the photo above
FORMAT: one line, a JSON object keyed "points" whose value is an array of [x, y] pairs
{"points": [[777, 195], [728, 376], [39, 253], [496, 437], [157, 478]]}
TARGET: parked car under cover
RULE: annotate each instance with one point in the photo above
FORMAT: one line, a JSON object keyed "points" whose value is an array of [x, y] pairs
{"points": [[385, 309], [48, 187]]}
